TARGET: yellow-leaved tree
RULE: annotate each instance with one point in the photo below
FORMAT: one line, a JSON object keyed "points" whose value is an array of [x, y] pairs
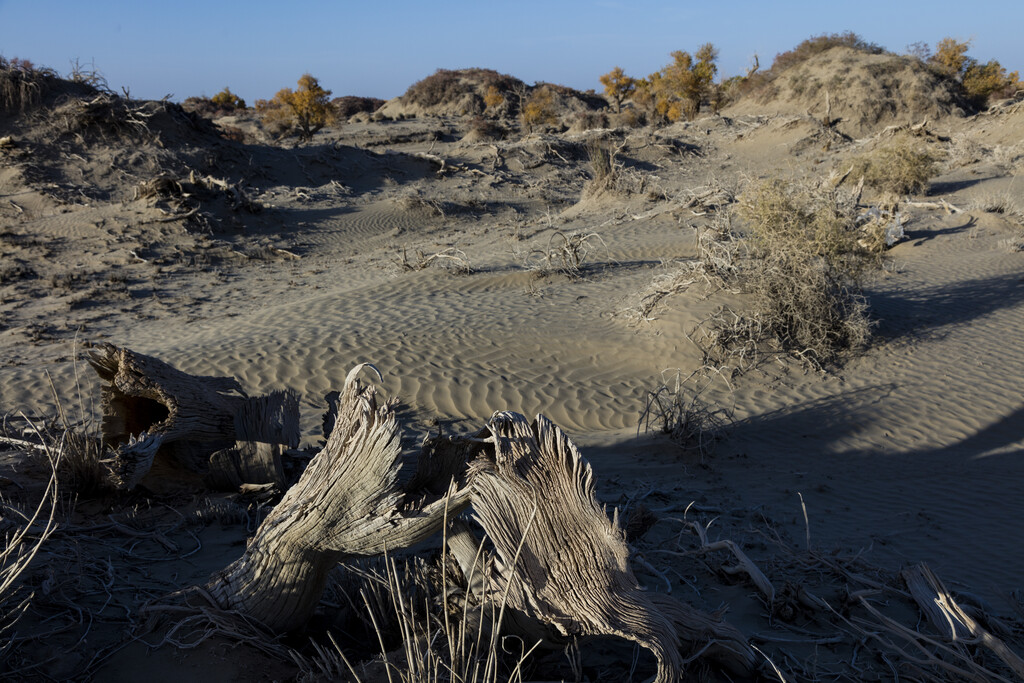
{"points": [[618, 86], [981, 81], [307, 107]]}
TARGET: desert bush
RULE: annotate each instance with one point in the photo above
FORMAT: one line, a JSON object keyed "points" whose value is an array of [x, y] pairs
{"points": [[901, 167], [87, 75], [628, 118], [227, 100], [451, 259], [306, 108], [483, 128], [538, 108], [806, 268], [618, 86]]}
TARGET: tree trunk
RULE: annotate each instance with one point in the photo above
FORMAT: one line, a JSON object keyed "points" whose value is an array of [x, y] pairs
{"points": [[348, 503], [152, 410], [567, 563]]}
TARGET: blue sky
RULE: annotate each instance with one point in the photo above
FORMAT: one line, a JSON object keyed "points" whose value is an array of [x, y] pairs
{"points": [[184, 47]]}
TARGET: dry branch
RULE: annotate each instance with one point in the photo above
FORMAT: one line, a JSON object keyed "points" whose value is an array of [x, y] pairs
{"points": [[950, 620]]}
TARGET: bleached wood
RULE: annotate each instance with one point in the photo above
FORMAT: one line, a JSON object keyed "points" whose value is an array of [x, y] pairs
{"points": [[348, 503], [185, 418], [563, 564], [950, 620]]}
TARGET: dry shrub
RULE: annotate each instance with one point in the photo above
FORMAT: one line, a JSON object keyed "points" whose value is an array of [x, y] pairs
{"points": [[565, 253], [447, 85], [901, 167], [817, 44], [451, 259], [676, 408], [806, 269]]}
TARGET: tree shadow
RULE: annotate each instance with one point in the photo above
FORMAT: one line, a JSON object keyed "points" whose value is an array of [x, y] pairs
{"points": [[930, 308]]}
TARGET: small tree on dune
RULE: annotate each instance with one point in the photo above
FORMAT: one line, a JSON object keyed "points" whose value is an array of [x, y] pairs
{"points": [[307, 107], [618, 86], [228, 100]]}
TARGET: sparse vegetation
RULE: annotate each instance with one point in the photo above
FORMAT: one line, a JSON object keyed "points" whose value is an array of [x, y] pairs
{"points": [[20, 85], [565, 253]]}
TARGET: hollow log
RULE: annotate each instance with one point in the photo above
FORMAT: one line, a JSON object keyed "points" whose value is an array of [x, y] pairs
{"points": [[348, 503], [563, 564], [152, 410]]}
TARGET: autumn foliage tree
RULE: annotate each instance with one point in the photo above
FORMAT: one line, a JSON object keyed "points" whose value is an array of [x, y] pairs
{"points": [[981, 81], [307, 107], [227, 100], [678, 90], [618, 86]]}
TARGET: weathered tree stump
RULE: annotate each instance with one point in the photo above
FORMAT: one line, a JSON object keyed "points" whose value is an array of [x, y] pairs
{"points": [[152, 410], [562, 564], [348, 503]]}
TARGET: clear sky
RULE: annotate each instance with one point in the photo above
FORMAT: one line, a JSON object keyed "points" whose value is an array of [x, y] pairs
{"points": [[380, 48]]}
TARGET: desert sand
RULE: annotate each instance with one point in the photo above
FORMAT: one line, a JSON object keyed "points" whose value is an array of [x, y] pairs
{"points": [[910, 450]]}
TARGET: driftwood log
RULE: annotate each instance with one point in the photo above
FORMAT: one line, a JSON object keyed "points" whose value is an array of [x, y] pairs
{"points": [[561, 567], [348, 503], [206, 425]]}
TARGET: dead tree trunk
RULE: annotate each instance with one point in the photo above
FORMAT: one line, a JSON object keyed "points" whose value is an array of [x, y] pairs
{"points": [[152, 410], [348, 503], [562, 563]]}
